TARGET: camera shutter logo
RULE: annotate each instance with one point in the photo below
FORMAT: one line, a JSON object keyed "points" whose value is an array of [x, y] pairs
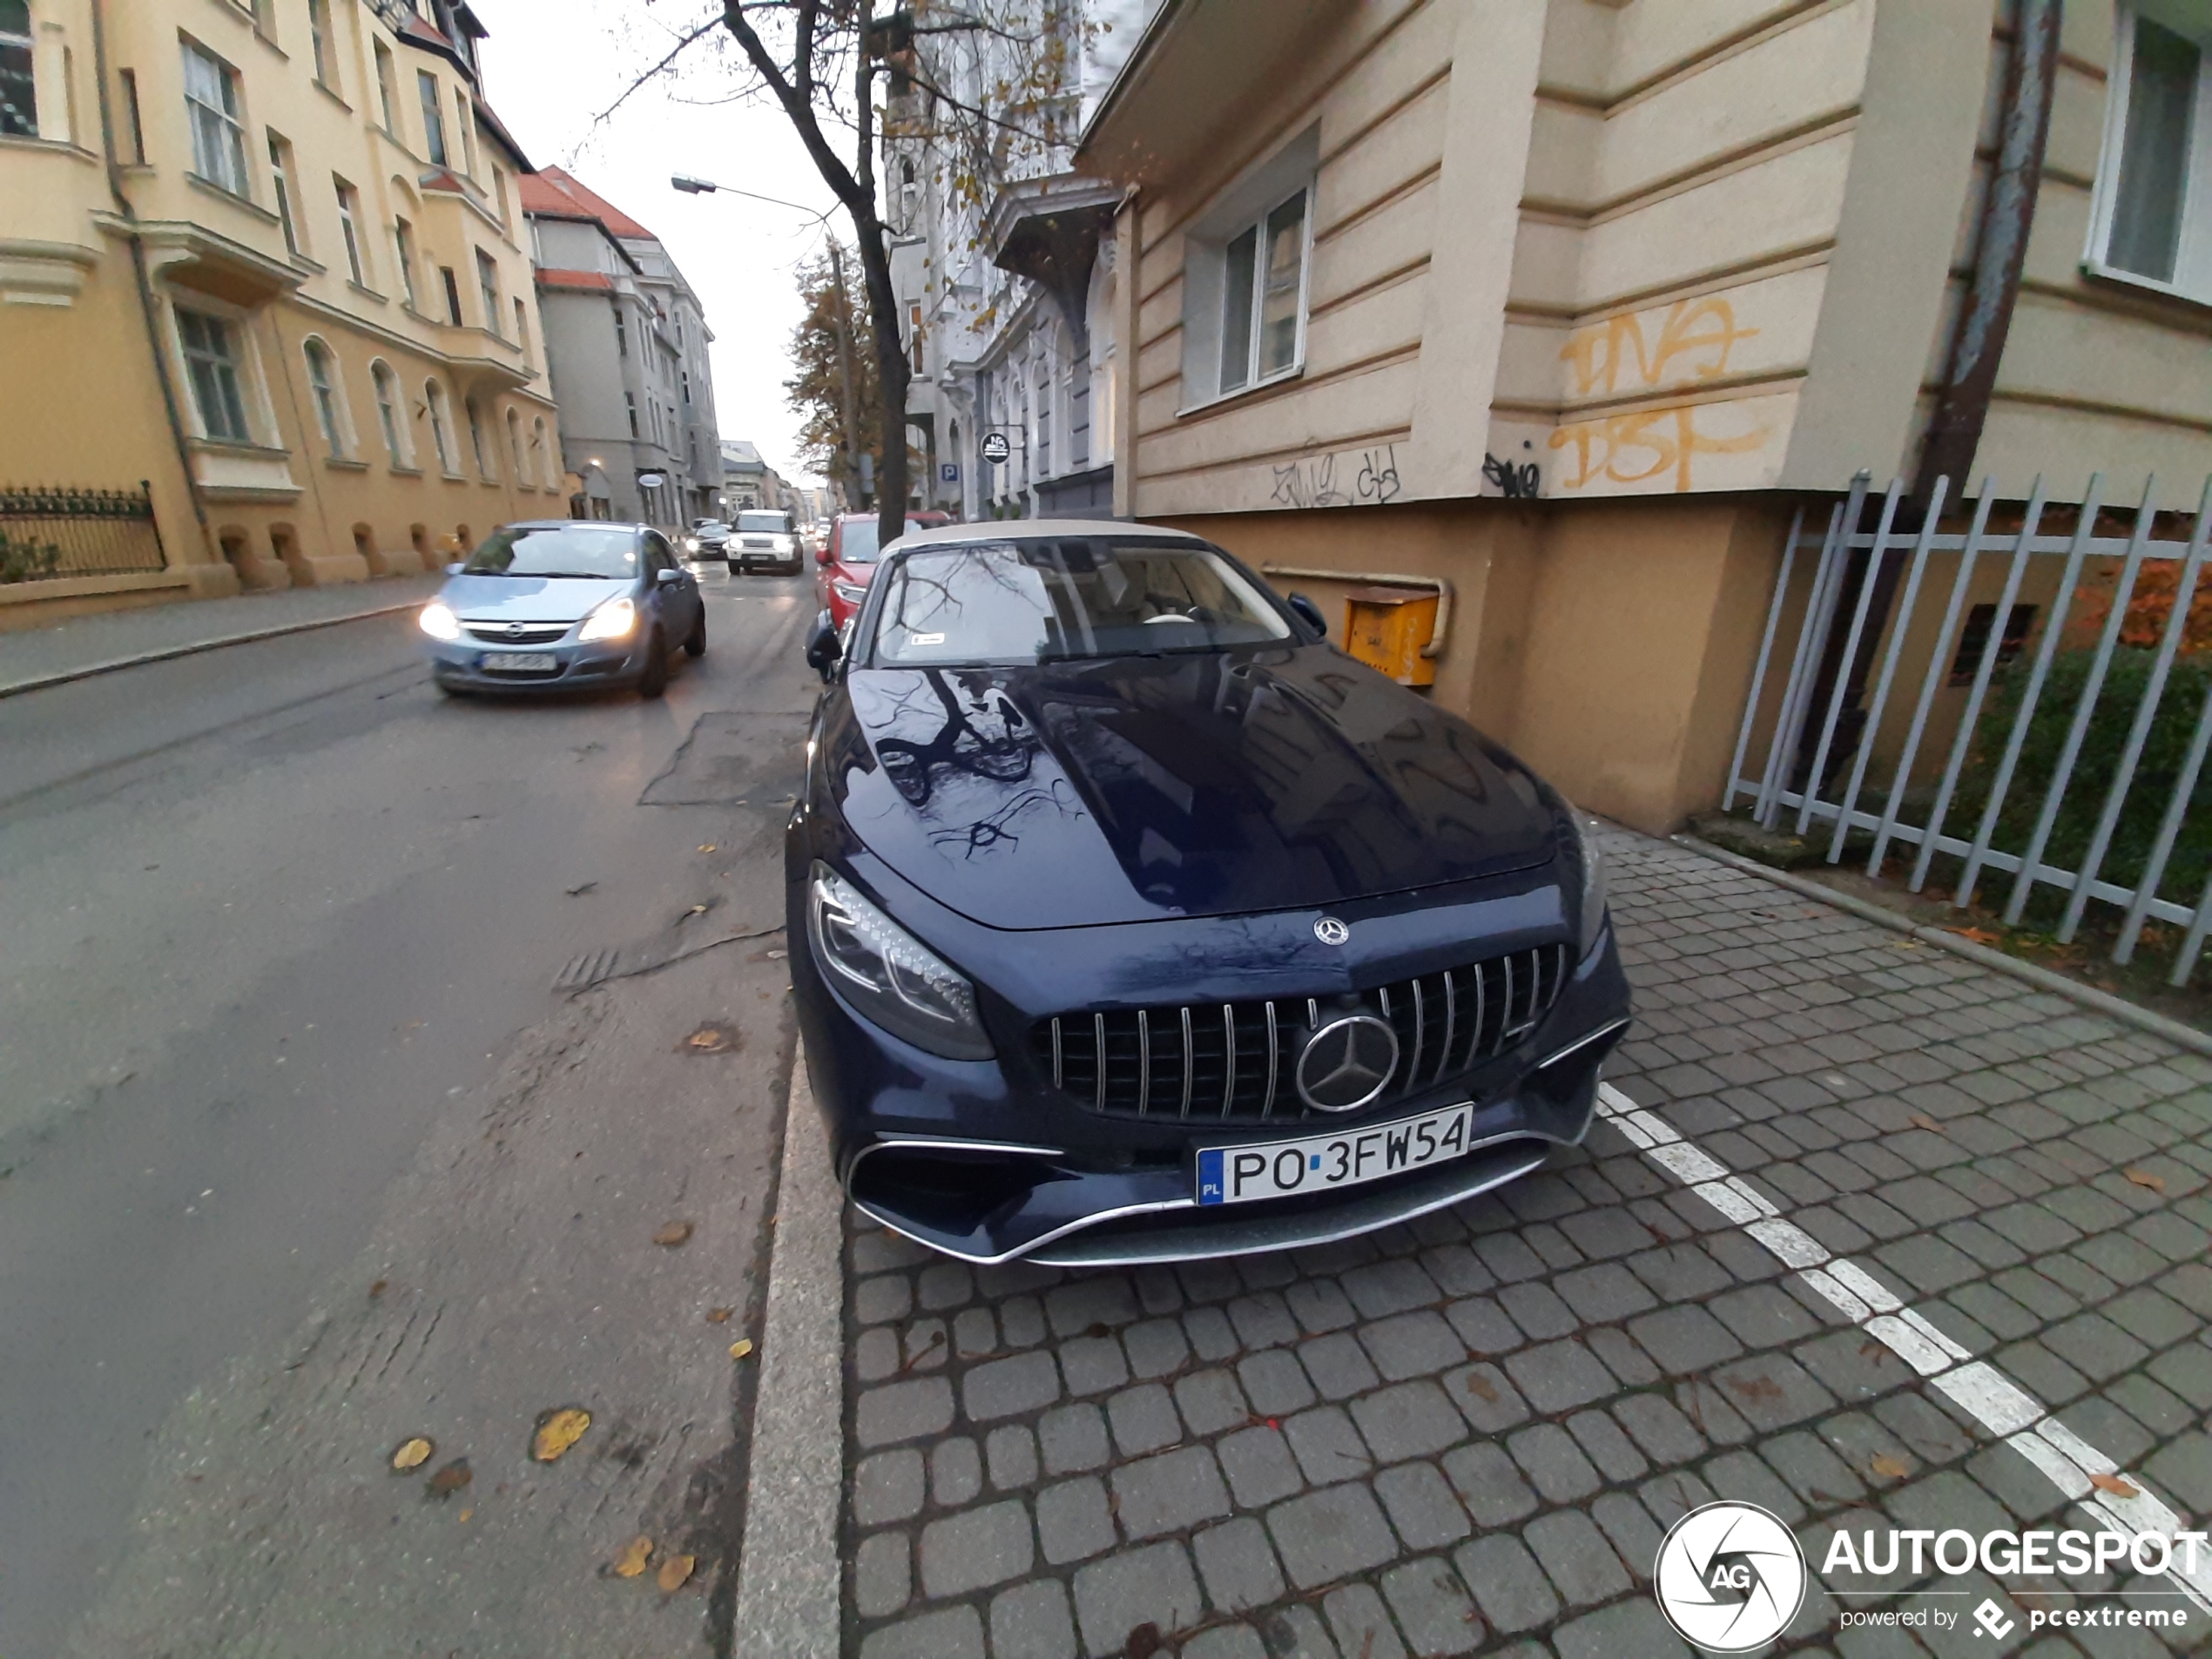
{"points": [[1729, 1577]]}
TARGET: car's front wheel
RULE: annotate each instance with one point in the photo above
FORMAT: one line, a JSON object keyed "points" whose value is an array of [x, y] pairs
{"points": [[695, 642], [654, 680]]}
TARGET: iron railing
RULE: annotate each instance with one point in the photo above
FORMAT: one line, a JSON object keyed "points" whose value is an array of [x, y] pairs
{"points": [[46, 533], [2020, 634]]}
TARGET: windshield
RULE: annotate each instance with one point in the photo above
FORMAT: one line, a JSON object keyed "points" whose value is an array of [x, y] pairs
{"points": [[857, 542], [603, 550], [773, 523], [1029, 602]]}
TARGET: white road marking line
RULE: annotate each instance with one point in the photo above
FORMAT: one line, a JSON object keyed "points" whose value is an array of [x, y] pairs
{"points": [[2008, 1411]]}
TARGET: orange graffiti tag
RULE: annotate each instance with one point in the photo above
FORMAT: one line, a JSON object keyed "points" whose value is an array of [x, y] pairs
{"points": [[1695, 340]]}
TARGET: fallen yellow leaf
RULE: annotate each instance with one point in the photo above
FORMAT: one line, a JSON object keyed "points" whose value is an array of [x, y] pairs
{"points": [[1921, 1120], [2144, 1178], [558, 1430], [720, 1316], [2115, 1485], [706, 847], [741, 1347], [675, 1570], [464, 1514], [1888, 1467], [675, 1233], [449, 1479], [412, 1454], [1979, 935], [631, 1561]]}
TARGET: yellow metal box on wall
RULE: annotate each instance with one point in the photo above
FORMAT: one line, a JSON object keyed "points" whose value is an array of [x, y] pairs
{"points": [[1386, 629]]}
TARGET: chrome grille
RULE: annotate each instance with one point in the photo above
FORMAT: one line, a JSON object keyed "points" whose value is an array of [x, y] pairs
{"points": [[1221, 1062], [532, 633]]}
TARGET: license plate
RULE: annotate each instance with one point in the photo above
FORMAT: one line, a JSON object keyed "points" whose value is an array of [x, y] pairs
{"points": [[1317, 1162], [519, 661]]}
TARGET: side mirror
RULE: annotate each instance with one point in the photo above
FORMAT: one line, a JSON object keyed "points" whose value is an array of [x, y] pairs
{"points": [[822, 648], [668, 578], [456, 567], [822, 554], [1310, 613]]}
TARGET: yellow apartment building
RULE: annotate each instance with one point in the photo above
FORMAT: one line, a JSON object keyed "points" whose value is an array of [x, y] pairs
{"points": [[266, 316], [1571, 305]]}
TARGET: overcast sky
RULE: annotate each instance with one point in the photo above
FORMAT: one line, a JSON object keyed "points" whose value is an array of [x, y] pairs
{"points": [[551, 65]]}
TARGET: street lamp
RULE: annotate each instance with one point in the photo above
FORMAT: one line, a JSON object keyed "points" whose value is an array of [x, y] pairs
{"points": [[691, 187]]}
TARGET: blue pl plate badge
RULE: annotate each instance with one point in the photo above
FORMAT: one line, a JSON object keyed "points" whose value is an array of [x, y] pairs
{"points": [[1209, 1175]]}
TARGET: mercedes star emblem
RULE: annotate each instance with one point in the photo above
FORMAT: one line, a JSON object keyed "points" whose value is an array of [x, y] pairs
{"points": [[1330, 931], [1348, 1064]]}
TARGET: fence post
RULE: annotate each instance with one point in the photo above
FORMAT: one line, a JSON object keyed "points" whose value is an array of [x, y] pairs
{"points": [[2054, 626], [1766, 645], [1850, 651], [1790, 716]]}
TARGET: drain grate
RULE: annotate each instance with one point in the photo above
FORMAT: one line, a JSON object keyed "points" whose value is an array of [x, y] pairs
{"points": [[586, 971]]}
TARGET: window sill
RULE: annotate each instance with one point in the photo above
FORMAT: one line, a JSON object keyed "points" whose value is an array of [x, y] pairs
{"points": [[331, 94], [491, 483], [344, 464], [300, 261], [246, 449], [224, 192], [2098, 271], [1296, 372], [398, 471], [367, 294], [456, 477]]}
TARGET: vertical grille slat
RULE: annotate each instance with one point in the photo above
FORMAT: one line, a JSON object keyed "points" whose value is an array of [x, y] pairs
{"points": [[1121, 1062]]}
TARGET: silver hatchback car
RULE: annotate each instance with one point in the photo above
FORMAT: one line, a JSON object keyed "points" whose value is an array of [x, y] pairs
{"points": [[564, 604]]}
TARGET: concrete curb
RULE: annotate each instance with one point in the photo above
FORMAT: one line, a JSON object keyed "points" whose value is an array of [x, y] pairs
{"points": [[2043, 978], [39, 682], [790, 1583]]}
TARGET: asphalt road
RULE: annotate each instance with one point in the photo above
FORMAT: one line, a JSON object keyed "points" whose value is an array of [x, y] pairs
{"points": [[303, 1153]]}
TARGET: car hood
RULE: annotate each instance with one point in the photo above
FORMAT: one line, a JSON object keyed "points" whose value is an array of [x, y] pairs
{"points": [[1136, 789], [529, 598]]}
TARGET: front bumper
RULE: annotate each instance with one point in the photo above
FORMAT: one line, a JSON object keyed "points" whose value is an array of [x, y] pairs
{"points": [[985, 1162], [577, 667]]}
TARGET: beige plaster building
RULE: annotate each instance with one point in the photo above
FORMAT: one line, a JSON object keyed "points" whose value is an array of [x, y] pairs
{"points": [[268, 256], [1572, 303]]}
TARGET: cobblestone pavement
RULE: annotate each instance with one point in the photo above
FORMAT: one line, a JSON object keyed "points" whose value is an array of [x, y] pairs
{"points": [[1467, 1435]]}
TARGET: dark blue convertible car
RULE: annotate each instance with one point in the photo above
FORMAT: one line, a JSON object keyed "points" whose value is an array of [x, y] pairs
{"points": [[1132, 922]]}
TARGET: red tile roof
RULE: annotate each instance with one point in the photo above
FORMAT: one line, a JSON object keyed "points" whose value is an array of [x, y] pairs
{"points": [[556, 279], [556, 194]]}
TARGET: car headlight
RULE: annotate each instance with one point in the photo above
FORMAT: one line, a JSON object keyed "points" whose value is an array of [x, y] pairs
{"points": [[439, 622], [783, 543], [851, 592], [886, 975], [613, 620], [691, 544], [1591, 857]]}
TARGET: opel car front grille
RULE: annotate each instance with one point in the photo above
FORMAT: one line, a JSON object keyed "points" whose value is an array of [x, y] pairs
{"points": [[530, 633], [1222, 1062]]}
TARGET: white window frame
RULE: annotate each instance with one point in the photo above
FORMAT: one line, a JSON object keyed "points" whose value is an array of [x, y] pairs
{"points": [[1245, 206], [403, 253], [334, 418], [223, 125], [349, 229], [324, 49], [244, 364], [473, 412], [434, 121], [280, 183], [515, 446], [391, 413], [439, 408], [488, 289], [2193, 261], [541, 436], [387, 72], [27, 44]]}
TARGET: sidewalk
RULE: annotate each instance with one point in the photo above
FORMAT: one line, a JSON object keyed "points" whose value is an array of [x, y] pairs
{"points": [[87, 645], [1868, 1235]]}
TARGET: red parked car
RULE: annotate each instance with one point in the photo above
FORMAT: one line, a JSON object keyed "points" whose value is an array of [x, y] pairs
{"points": [[848, 560]]}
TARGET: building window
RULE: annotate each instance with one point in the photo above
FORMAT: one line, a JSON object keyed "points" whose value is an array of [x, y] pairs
{"points": [[217, 134], [630, 403], [522, 328], [546, 469], [319, 35], [434, 126], [476, 438], [387, 80], [687, 388], [18, 84], [403, 250], [348, 224], [499, 189], [388, 411], [130, 79], [280, 178], [487, 285], [453, 294], [1262, 296], [210, 364], [441, 425], [515, 446], [2154, 219], [465, 123], [622, 332], [322, 382], [913, 334]]}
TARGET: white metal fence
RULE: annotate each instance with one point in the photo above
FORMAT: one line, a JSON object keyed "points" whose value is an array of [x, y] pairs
{"points": [[1980, 719]]}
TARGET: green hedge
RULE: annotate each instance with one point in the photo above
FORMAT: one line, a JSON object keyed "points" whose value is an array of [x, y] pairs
{"points": [[2103, 744]]}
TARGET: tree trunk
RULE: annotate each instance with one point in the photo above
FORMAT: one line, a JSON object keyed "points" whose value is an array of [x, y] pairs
{"points": [[891, 377]]}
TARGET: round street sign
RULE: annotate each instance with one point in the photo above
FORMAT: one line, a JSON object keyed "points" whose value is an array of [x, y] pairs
{"points": [[652, 480], [995, 448]]}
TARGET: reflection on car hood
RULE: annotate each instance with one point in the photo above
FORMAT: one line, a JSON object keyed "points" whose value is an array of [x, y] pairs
{"points": [[1136, 788], [529, 598]]}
